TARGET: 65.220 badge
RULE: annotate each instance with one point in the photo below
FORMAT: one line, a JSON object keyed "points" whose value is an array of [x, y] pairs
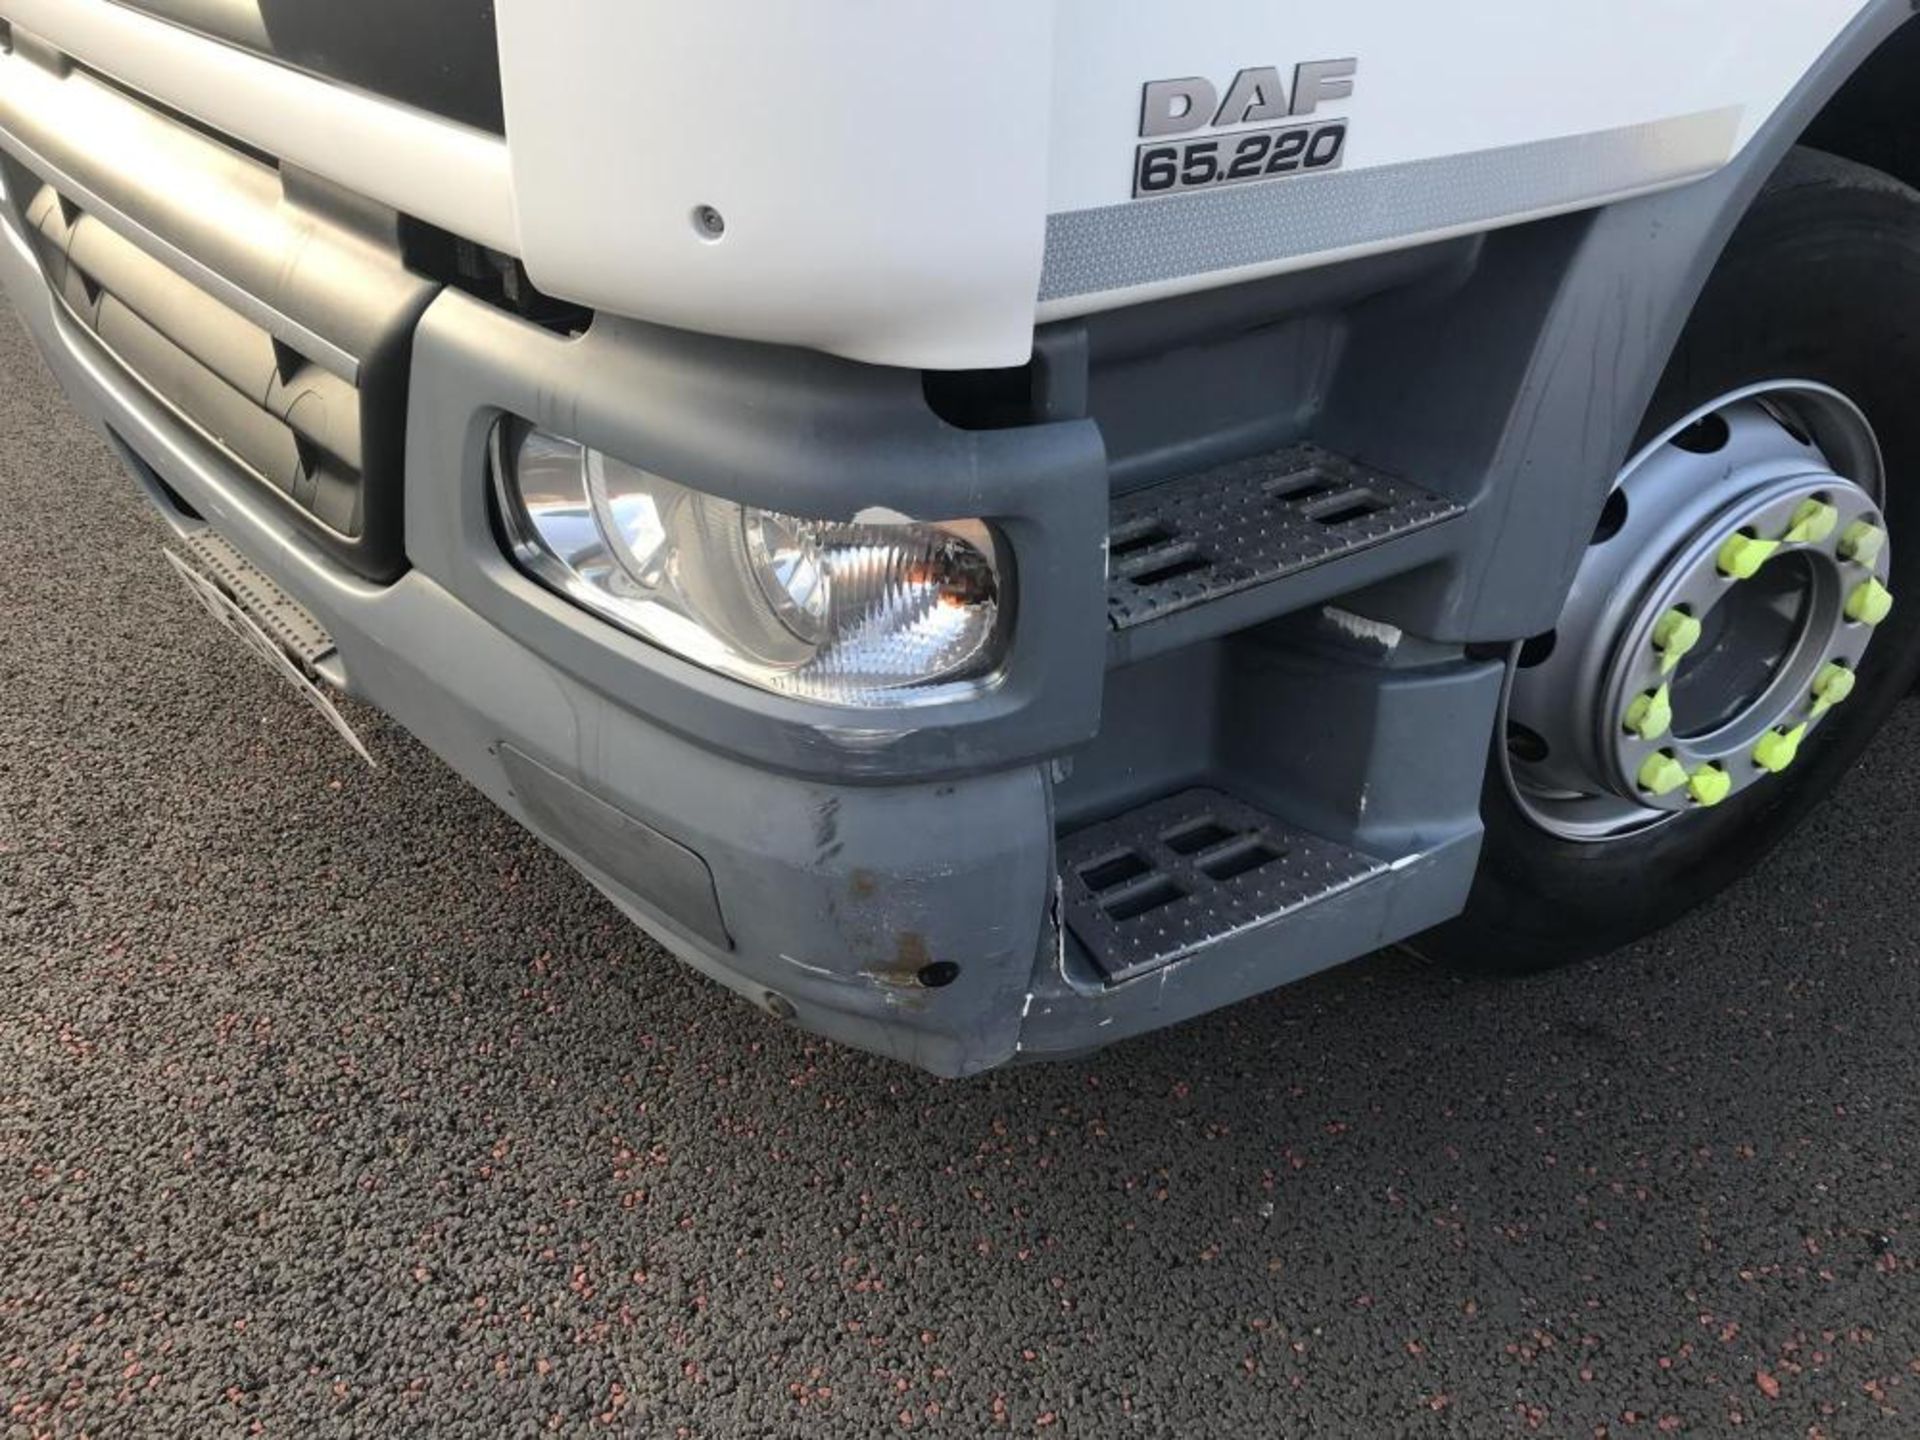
{"points": [[1227, 149], [1251, 155]]}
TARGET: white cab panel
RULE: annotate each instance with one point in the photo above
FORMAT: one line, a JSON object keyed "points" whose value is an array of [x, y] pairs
{"points": [[880, 166], [914, 182], [1609, 98], [886, 168], [1434, 80]]}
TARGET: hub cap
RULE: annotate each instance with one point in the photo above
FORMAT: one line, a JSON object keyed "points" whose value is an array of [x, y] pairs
{"points": [[1719, 616]]}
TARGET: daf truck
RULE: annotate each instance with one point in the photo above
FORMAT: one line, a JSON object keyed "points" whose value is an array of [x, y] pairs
{"points": [[990, 528]]}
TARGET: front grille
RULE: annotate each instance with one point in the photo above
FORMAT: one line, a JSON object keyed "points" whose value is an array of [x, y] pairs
{"points": [[269, 314], [288, 421]]}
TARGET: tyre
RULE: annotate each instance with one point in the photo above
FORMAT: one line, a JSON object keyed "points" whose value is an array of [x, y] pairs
{"points": [[1723, 657]]}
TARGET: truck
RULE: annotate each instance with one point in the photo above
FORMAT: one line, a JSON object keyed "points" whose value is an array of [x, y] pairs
{"points": [[992, 528]]}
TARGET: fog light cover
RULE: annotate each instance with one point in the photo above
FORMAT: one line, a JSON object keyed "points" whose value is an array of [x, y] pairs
{"points": [[878, 612]]}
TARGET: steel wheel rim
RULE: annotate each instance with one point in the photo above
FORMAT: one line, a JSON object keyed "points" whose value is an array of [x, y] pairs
{"points": [[1745, 464]]}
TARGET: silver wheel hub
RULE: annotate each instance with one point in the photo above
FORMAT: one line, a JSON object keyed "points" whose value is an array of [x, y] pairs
{"points": [[1718, 618]]}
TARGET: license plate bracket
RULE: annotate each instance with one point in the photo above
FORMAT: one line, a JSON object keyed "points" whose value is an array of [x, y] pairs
{"points": [[234, 618]]}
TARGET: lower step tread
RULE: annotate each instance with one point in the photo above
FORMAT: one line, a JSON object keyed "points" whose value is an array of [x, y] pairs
{"points": [[1162, 882], [1184, 542]]}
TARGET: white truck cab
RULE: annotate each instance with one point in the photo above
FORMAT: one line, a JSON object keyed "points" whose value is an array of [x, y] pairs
{"points": [[993, 528]]}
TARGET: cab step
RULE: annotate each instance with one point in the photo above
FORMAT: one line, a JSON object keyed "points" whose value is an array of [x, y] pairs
{"points": [[1222, 539], [1172, 878], [1259, 821]]}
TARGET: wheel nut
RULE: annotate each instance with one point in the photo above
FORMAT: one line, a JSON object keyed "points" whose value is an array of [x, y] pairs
{"points": [[1861, 542], [1778, 749], [1662, 774], [1831, 686], [1709, 785], [1651, 713], [1743, 555], [1674, 635], [1870, 603], [1813, 522]]}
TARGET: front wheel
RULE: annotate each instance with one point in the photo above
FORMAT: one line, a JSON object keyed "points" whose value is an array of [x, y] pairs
{"points": [[1730, 644]]}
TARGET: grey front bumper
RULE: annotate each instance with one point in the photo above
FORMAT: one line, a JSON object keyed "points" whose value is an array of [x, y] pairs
{"points": [[844, 861]]}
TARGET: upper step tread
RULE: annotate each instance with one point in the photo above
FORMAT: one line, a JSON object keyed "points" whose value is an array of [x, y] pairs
{"points": [[1182, 543], [1161, 882]]}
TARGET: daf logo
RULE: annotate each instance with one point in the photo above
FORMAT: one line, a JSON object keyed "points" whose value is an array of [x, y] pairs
{"points": [[1192, 139], [1176, 107]]}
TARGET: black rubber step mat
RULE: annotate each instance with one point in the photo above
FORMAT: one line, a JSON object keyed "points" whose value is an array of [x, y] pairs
{"points": [[1173, 877], [1182, 543]]}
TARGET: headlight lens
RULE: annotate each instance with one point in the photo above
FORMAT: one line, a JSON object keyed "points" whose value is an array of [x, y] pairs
{"points": [[873, 612]]}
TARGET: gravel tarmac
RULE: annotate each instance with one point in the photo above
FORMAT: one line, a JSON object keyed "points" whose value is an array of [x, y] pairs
{"points": [[331, 1103]]}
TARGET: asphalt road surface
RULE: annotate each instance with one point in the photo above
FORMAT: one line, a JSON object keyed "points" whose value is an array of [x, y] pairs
{"points": [[330, 1102]]}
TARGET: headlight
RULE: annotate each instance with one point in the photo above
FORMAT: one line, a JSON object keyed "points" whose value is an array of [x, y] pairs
{"points": [[872, 612]]}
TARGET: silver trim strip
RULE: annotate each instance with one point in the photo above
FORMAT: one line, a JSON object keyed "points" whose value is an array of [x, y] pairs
{"points": [[1149, 242], [449, 174], [317, 348]]}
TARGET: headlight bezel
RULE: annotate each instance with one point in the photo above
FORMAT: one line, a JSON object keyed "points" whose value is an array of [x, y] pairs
{"points": [[694, 633], [765, 425]]}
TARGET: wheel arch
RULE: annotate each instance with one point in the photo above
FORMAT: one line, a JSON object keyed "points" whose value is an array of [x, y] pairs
{"points": [[1571, 323], [1874, 117]]}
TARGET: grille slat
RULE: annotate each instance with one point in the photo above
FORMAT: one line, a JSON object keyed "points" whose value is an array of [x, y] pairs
{"points": [[215, 408], [440, 55], [240, 352]]}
